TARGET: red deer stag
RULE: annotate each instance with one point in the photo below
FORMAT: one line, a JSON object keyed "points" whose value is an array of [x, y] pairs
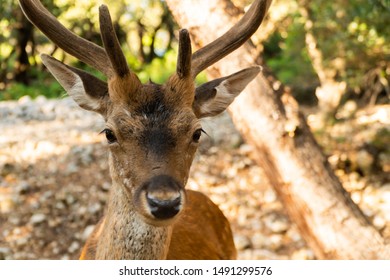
{"points": [[152, 132]]}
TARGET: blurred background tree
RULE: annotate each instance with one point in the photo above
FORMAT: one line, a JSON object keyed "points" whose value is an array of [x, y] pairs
{"points": [[326, 52], [145, 29], [338, 51]]}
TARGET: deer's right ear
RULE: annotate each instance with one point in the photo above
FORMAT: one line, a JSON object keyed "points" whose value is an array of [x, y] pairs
{"points": [[87, 91]]}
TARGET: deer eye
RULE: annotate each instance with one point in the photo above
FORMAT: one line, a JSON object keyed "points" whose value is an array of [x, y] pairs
{"points": [[196, 135], [111, 138]]}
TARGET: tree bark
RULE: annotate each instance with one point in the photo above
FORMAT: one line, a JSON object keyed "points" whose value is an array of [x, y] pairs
{"points": [[24, 31], [330, 92], [269, 119]]}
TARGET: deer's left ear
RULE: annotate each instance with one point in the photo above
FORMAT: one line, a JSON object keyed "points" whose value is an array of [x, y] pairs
{"points": [[215, 96], [89, 92]]}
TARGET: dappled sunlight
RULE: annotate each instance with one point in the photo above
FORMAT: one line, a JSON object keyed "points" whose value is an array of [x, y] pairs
{"points": [[55, 183], [44, 133], [30, 151], [331, 57]]}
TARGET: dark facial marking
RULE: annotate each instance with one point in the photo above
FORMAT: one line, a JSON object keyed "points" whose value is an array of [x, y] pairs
{"points": [[158, 140], [153, 103]]}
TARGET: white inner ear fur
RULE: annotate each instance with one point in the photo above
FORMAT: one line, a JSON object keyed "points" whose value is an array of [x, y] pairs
{"points": [[228, 90], [71, 82], [220, 102], [77, 92]]}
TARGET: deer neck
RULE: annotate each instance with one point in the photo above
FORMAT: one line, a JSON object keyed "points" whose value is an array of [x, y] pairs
{"points": [[126, 236]]}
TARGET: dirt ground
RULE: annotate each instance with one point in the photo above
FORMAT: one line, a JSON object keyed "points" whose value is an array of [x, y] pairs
{"points": [[54, 182]]}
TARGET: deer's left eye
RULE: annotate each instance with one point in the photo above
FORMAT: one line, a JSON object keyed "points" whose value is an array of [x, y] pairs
{"points": [[111, 138], [196, 135]]}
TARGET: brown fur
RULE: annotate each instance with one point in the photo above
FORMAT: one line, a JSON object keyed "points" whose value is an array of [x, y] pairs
{"points": [[152, 132], [206, 235], [154, 128], [154, 125], [124, 89], [194, 237]]}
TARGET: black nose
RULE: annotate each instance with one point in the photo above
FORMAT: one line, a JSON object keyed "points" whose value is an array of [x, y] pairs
{"points": [[163, 195], [164, 209]]}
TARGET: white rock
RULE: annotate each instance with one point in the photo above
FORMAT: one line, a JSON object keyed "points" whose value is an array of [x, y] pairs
{"points": [[88, 231], [379, 222], [74, 246], [94, 208], [23, 187], [5, 253], [269, 196], [260, 254], [356, 197], [276, 223], [25, 100], [365, 160], [242, 242], [259, 240], [37, 218], [7, 205], [303, 254], [275, 241]]}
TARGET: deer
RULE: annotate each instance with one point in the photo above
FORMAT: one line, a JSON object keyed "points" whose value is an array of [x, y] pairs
{"points": [[152, 131]]}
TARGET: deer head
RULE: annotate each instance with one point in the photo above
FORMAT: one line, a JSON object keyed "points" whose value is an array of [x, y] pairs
{"points": [[152, 130]]}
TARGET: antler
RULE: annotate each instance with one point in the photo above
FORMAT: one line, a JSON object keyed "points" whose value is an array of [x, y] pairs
{"points": [[183, 67], [100, 58], [111, 43], [232, 39], [71, 43]]}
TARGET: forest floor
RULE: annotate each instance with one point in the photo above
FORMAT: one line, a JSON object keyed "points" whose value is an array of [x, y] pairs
{"points": [[54, 179]]}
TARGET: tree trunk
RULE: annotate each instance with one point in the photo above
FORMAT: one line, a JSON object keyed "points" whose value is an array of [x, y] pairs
{"points": [[330, 92], [24, 31], [269, 119]]}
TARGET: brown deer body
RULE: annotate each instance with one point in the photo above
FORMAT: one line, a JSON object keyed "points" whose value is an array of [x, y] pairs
{"points": [[206, 236], [153, 133]]}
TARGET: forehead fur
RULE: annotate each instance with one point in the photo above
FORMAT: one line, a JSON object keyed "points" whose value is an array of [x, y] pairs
{"points": [[175, 92], [156, 116], [121, 89], [155, 107], [180, 90]]}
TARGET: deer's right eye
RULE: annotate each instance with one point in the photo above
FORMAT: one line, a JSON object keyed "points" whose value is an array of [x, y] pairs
{"points": [[111, 138]]}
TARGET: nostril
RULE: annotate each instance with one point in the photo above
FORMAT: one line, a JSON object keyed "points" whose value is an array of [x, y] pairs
{"points": [[164, 196], [164, 209]]}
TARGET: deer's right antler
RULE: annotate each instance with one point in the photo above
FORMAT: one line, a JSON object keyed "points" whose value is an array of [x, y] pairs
{"points": [[111, 43], [71, 43]]}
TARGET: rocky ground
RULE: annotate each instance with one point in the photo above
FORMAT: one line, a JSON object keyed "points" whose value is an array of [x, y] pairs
{"points": [[54, 179]]}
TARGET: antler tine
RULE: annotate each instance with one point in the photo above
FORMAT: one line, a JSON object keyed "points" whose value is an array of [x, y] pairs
{"points": [[183, 67], [111, 43], [232, 39], [71, 43]]}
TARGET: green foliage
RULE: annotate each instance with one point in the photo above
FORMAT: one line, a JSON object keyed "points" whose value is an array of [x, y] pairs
{"points": [[354, 31], [288, 57], [48, 88], [159, 69], [352, 36], [155, 60], [285, 53], [382, 139]]}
